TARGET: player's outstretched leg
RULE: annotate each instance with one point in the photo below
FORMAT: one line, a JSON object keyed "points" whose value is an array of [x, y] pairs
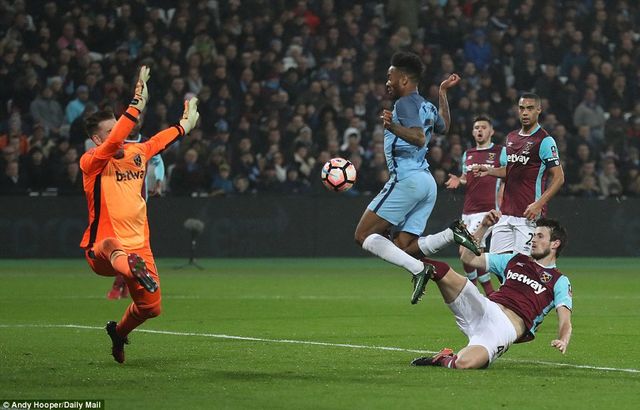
{"points": [[445, 358], [138, 269], [420, 283], [462, 237], [117, 342]]}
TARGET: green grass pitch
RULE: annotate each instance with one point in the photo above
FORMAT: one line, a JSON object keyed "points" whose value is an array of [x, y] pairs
{"points": [[304, 333]]}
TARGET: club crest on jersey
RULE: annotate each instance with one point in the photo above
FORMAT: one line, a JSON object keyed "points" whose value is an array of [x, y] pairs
{"points": [[527, 148], [137, 160], [491, 156], [545, 277]]}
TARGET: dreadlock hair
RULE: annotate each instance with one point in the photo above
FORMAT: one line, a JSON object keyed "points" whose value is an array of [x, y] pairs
{"points": [[409, 63]]}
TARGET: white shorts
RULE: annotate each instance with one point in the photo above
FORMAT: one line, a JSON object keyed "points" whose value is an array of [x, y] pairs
{"points": [[483, 322], [473, 222], [512, 234]]}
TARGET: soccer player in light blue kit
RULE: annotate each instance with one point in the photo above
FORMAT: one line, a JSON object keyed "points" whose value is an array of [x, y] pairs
{"points": [[407, 199]]}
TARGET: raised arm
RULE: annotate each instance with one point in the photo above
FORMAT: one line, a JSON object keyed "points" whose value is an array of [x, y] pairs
{"points": [[126, 122], [166, 137], [564, 329], [443, 103]]}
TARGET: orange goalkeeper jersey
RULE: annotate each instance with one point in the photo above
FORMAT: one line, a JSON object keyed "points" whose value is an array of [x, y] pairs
{"points": [[113, 176]]}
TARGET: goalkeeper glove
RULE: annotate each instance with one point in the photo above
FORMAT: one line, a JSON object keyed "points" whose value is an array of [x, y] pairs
{"points": [[190, 115], [141, 94]]}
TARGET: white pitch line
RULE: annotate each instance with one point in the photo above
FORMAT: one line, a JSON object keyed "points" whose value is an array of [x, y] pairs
{"points": [[308, 342]]}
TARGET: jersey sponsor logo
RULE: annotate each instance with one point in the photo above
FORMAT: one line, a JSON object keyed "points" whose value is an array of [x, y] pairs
{"points": [[129, 175], [522, 159], [137, 160], [519, 277]]}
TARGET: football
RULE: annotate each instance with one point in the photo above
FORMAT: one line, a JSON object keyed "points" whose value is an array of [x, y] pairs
{"points": [[338, 174]]}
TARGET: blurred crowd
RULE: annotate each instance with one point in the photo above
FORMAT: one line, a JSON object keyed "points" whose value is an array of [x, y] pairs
{"points": [[286, 85]]}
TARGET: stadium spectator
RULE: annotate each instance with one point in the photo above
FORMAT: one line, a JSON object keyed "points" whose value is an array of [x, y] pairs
{"points": [[38, 171], [608, 180], [70, 183], [75, 108], [221, 184], [590, 113], [477, 50], [188, 176], [47, 111], [329, 57], [14, 182]]}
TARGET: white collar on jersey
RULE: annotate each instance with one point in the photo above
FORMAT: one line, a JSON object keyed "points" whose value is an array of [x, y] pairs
{"points": [[531, 133], [482, 149], [553, 266]]}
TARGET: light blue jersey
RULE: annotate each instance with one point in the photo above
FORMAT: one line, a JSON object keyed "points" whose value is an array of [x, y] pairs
{"points": [[407, 199], [403, 158]]}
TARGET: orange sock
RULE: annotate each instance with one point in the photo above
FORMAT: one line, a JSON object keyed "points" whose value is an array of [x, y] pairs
{"points": [[130, 320], [119, 262]]}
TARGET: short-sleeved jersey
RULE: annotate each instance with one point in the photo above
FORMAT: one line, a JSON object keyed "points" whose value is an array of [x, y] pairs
{"points": [[528, 158], [528, 288], [481, 193], [403, 158], [113, 177]]}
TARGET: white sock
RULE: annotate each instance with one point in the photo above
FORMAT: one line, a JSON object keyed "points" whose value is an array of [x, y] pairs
{"points": [[387, 250], [431, 244]]}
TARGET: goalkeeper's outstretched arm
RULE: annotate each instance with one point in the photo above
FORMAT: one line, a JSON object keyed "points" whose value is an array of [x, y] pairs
{"points": [[166, 137], [123, 127]]}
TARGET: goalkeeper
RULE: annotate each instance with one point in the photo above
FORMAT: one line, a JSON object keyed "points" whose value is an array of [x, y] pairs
{"points": [[117, 238]]}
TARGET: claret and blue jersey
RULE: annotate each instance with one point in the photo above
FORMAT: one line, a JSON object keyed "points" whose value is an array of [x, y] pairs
{"points": [[528, 288], [481, 193], [528, 158], [403, 158]]}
